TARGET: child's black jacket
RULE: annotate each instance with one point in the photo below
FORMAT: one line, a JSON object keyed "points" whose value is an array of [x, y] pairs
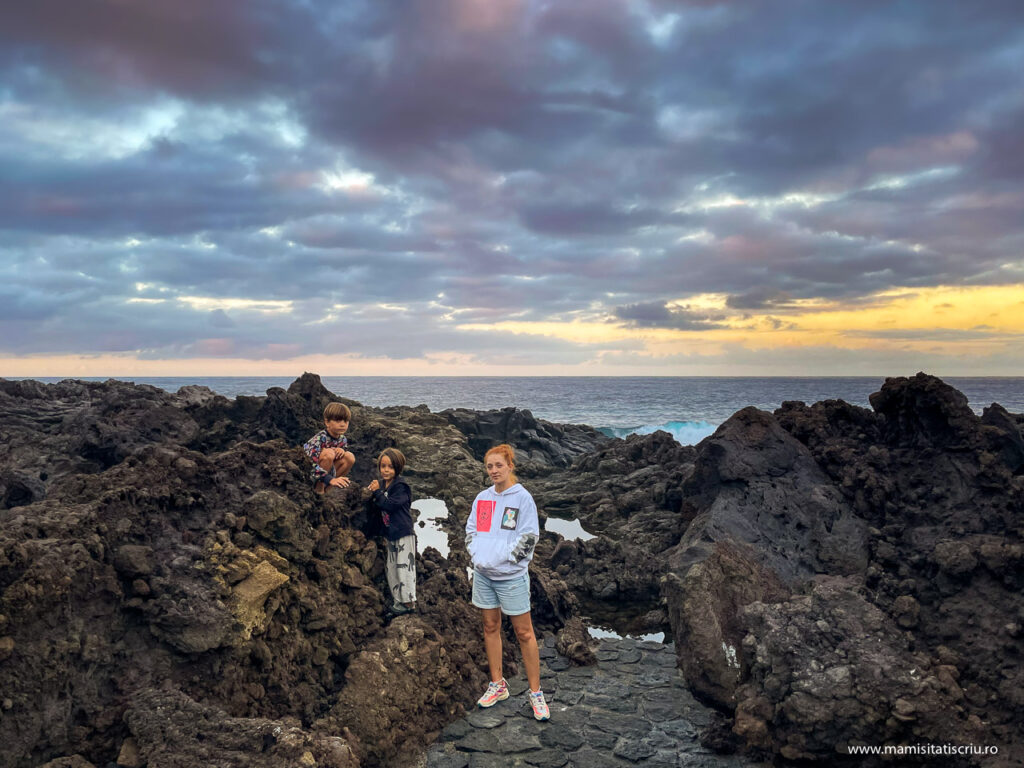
{"points": [[395, 506]]}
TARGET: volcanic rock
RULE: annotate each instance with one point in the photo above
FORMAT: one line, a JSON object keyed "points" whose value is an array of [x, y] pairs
{"points": [[540, 445], [400, 690], [754, 483], [73, 761], [629, 492], [574, 643], [173, 592], [924, 411], [50, 431], [172, 583], [704, 606], [171, 730], [828, 670], [914, 507]]}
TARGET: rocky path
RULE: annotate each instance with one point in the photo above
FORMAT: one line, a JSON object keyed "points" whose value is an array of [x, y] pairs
{"points": [[632, 709]]}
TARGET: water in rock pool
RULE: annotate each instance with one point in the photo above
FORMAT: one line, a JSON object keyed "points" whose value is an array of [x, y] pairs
{"points": [[610, 625]]}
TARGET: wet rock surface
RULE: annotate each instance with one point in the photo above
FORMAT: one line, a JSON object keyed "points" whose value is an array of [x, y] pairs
{"points": [[631, 708]]}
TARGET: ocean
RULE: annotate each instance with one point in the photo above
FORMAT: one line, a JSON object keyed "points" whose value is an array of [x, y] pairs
{"points": [[689, 408]]}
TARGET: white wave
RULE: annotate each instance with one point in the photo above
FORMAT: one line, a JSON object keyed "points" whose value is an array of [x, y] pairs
{"points": [[684, 432]]}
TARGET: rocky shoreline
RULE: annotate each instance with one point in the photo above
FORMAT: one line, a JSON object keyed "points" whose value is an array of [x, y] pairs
{"points": [[172, 592]]}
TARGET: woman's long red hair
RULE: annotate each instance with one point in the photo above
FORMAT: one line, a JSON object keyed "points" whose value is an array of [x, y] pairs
{"points": [[508, 453]]}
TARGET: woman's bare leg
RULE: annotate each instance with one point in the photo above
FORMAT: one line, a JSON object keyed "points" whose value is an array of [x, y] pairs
{"points": [[492, 641], [523, 625]]}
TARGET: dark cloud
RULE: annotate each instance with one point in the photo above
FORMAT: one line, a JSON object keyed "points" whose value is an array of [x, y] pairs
{"points": [[660, 315], [105, 49], [759, 299], [588, 219], [456, 161], [361, 236]]}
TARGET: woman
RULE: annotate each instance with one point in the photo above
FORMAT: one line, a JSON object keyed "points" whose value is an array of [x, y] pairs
{"points": [[501, 533]]}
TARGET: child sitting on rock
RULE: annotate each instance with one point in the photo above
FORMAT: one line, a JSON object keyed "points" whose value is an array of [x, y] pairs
{"points": [[328, 449], [393, 498]]}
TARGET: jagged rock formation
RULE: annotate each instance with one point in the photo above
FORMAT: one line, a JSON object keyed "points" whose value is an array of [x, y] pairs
{"points": [[164, 553], [894, 542], [755, 484], [540, 445], [51, 431], [838, 671], [172, 592], [786, 543], [629, 491], [704, 613]]}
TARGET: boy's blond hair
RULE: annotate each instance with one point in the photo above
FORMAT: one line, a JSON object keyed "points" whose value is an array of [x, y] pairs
{"points": [[337, 412]]}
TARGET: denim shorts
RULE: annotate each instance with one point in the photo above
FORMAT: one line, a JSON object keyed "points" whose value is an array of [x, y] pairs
{"points": [[511, 595]]}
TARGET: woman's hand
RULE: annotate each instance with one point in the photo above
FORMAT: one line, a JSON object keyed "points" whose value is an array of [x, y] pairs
{"points": [[373, 486], [340, 482]]}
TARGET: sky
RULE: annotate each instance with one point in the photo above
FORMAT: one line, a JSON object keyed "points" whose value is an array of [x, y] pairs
{"points": [[511, 187]]}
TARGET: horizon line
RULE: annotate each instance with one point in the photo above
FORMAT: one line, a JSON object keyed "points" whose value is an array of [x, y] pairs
{"points": [[524, 376]]}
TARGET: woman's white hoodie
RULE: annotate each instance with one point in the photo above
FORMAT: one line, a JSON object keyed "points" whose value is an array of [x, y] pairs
{"points": [[502, 531]]}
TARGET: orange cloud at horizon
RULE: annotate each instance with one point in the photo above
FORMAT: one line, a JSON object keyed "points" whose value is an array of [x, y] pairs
{"points": [[939, 327], [943, 319]]}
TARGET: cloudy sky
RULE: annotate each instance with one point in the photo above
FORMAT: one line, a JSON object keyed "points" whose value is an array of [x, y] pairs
{"points": [[511, 187]]}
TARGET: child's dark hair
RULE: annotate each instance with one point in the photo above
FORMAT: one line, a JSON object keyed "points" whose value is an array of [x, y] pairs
{"points": [[337, 412], [397, 459]]}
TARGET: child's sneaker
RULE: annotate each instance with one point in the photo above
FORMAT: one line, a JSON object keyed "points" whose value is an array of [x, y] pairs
{"points": [[495, 692], [540, 707]]}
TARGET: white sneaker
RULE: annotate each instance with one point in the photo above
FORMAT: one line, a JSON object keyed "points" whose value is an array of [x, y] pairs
{"points": [[540, 707], [495, 692]]}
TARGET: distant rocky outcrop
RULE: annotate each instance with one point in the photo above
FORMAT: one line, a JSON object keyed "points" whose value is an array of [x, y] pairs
{"points": [[629, 492], [540, 445], [48, 432]]}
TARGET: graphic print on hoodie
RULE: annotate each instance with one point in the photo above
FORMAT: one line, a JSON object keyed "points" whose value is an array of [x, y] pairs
{"points": [[502, 531]]}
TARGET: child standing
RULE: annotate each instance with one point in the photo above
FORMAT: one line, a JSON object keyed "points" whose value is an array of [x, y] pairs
{"points": [[328, 449], [501, 533], [391, 495]]}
